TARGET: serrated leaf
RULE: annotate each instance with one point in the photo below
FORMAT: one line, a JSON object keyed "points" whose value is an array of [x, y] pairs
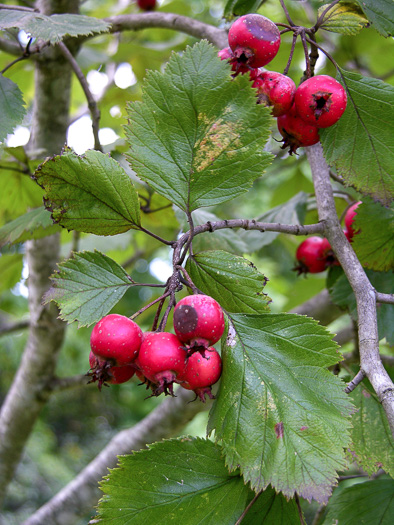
{"points": [[241, 7], [291, 212], [34, 224], [52, 28], [360, 145], [89, 193], [233, 281], [12, 108], [368, 503], [345, 18], [87, 286], [380, 14], [280, 415], [342, 295], [372, 441], [181, 481], [198, 135], [374, 244], [10, 270]]}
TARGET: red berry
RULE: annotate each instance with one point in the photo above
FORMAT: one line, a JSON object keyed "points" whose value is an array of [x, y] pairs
{"points": [[104, 373], [276, 90], [146, 5], [116, 339], [202, 371], [254, 40], [311, 255], [227, 54], [198, 320], [321, 101], [349, 218], [161, 359], [295, 132], [329, 255]]}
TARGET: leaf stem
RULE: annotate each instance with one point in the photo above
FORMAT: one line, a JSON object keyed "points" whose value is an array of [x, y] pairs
{"points": [[141, 310], [320, 19], [250, 504], [286, 70], [287, 13], [297, 500], [25, 55], [168, 243]]}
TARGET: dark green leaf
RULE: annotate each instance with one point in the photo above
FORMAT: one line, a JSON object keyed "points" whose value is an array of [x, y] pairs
{"points": [[198, 136], [34, 224], [345, 18], [272, 508], [87, 287], [381, 15], [233, 281], [280, 414], [369, 503], [241, 7], [360, 145], [12, 108], [89, 193]]}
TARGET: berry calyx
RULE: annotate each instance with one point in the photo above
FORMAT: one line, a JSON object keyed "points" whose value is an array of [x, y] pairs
{"points": [[296, 132], [349, 218], [116, 339], [311, 255], [329, 255], [254, 40], [105, 374], [201, 372], [161, 359], [275, 90], [146, 5], [198, 321], [321, 101], [236, 66]]}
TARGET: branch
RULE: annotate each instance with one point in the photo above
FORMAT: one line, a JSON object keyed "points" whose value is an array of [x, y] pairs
{"points": [[355, 381], [384, 298], [370, 360], [10, 328]]}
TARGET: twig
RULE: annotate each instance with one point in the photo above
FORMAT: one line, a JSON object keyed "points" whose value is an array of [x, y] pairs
{"points": [[385, 298], [287, 13], [18, 8], [25, 55], [250, 504], [59, 384], [188, 279], [141, 310], [308, 71], [336, 177], [319, 514], [9, 329], [286, 70], [355, 381], [323, 14], [168, 243]]}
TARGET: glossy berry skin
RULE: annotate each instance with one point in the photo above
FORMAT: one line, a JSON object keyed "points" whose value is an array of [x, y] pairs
{"points": [[104, 373], [321, 101], [275, 90], [311, 255], [198, 320], [146, 5], [349, 218], [202, 371], [161, 359], [295, 132], [116, 339], [254, 40]]}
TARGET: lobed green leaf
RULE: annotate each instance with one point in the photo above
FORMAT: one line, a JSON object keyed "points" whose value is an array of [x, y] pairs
{"points": [[381, 15], [345, 18]]}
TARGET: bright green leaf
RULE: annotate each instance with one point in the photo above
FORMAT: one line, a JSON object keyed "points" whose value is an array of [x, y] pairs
{"points": [[87, 287], [10, 270], [345, 18], [34, 224], [233, 281], [12, 108], [360, 145], [380, 13], [241, 7], [198, 136], [280, 414], [89, 193]]}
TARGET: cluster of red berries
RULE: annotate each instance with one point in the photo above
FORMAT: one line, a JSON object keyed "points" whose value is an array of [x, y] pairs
{"points": [[314, 255], [319, 102], [119, 349]]}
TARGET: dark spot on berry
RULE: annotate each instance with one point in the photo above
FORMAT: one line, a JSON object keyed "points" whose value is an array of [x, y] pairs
{"points": [[185, 318]]}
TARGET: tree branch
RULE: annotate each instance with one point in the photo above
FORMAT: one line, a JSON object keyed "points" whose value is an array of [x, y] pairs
{"points": [[384, 298], [355, 381]]}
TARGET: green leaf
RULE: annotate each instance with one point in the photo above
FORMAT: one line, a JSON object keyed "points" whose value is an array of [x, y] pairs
{"points": [[272, 508], [87, 286], [10, 270], [380, 14], [372, 442], [374, 244], [12, 108], [52, 28], [89, 193], [34, 224], [241, 7], [198, 135], [176, 481], [345, 18], [368, 503], [342, 295], [233, 281], [280, 414], [291, 212], [360, 145]]}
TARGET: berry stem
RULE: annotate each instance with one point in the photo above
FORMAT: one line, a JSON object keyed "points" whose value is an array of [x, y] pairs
{"points": [[286, 70], [287, 13], [188, 279], [141, 310], [308, 71]]}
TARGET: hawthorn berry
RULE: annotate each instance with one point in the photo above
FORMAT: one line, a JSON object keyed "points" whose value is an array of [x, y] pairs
{"points": [[296, 132], [254, 40], [161, 359], [116, 339], [311, 255], [198, 321], [146, 5], [201, 372], [349, 218], [275, 90], [103, 372], [320, 100], [227, 54], [329, 255]]}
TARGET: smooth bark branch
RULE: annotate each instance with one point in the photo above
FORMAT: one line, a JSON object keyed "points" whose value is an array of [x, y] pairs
{"points": [[364, 292], [384, 298], [355, 381]]}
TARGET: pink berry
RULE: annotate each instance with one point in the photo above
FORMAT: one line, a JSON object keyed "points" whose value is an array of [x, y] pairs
{"points": [[275, 90], [146, 5], [296, 133], [104, 373], [116, 339], [349, 218], [201, 372], [321, 101], [227, 54], [198, 320], [311, 255], [254, 40]]}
